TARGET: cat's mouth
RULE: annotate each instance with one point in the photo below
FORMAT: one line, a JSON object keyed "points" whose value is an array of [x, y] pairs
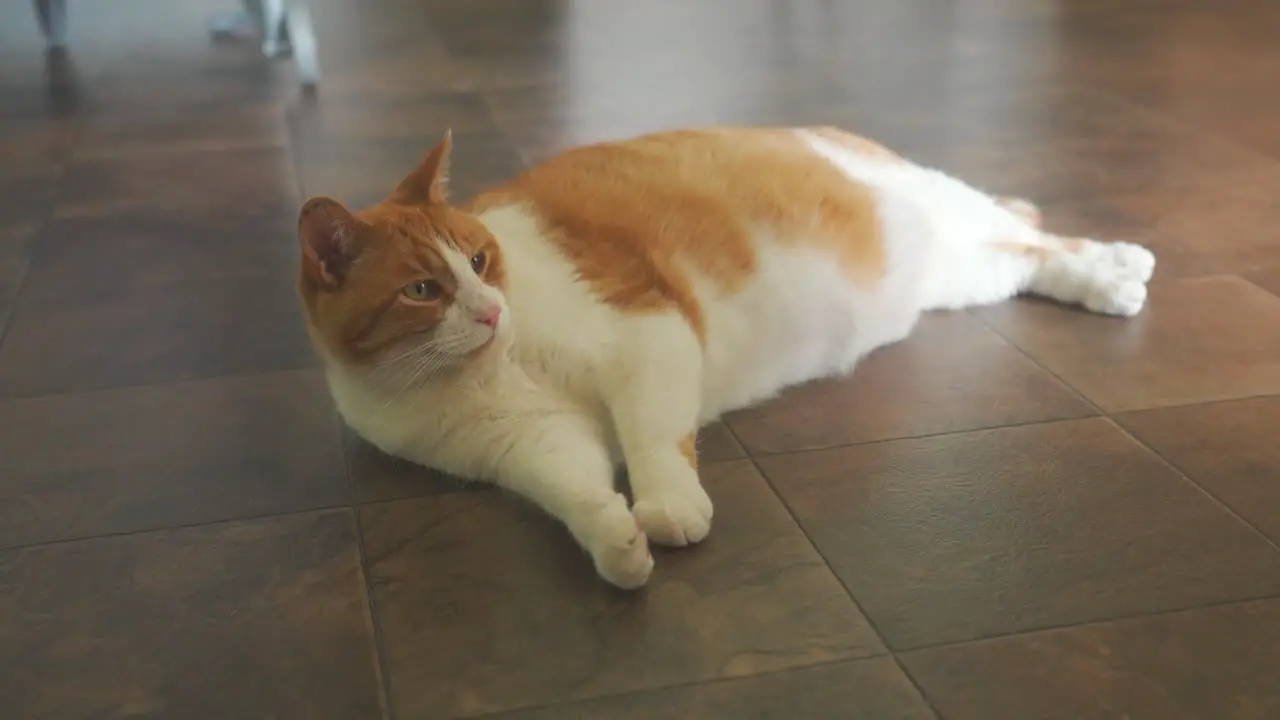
{"points": [[483, 346]]}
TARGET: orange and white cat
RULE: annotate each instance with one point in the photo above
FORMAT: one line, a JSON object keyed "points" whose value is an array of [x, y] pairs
{"points": [[601, 307]]}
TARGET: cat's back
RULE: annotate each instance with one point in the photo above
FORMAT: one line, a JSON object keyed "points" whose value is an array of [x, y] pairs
{"points": [[647, 220], [752, 238]]}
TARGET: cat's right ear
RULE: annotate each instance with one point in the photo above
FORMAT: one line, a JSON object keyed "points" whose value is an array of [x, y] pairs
{"points": [[330, 239]]}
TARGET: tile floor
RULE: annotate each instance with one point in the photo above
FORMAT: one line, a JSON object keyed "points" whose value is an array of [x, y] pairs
{"points": [[1019, 513]]}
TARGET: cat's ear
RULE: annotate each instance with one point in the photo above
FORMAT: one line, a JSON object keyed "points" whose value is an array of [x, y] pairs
{"points": [[428, 183], [330, 239]]}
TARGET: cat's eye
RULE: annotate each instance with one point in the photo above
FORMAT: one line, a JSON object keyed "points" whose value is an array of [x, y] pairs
{"points": [[478, 262], [423, 290]]}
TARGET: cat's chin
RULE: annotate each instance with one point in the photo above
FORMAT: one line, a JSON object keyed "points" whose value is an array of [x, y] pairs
{"points": [[485, 348]]}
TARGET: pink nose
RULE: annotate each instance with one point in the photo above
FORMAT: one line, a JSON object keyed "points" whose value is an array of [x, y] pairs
{"points": [[490, 316]]}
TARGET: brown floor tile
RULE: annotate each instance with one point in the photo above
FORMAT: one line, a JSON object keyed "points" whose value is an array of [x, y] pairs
{"points": [[213, 191], [111, 301], [1210, 71], [544, 119], [1267, 278], [377, 477], [1096, 218], [1209, 663], [1228, 448], [15, 250], [973, 535], [396, 53], [360, 172], [1196, 341], [872, 689], [35, 145], [141, 458], [468, 29], [154, 76], [753, 598], [1224, 229], [1193, 231], [370, 117], [183, 128], [26, 196], [1137, 154], [1243, 109], [950, 375], [256, 619], [716, 443]]}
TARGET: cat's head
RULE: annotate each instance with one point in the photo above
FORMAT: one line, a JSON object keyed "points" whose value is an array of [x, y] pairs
{"points": [[411, 284]]}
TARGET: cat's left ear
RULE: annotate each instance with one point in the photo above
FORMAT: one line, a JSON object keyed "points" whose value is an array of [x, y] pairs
{"points": [[330, 238], [428, 183]]}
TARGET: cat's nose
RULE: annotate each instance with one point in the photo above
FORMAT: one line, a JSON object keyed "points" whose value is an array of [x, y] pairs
{"points": [[489, 316]]}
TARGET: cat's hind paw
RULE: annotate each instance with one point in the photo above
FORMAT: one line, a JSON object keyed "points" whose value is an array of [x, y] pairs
{"points": [[1133, 261], [1122, 297], [679, 515], [1116, 280]]}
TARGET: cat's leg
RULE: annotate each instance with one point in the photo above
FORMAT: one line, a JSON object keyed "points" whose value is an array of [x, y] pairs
{"points": [[1105, 277], [654, 394], [1109, 278], [982, 249], [561, 464]]}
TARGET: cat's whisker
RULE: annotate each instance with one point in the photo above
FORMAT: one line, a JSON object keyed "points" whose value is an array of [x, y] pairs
{"points": [[422, 363]]}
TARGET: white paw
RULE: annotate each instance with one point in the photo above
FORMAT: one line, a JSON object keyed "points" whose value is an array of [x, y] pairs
{"points": [[1119, 296], [622, 556], [1133, 261], [675, 513]]}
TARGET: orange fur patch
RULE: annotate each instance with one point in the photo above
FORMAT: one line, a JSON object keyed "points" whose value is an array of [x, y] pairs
{"points": [[1024, 209], [1048, 246], [689, 448], [636, 217]]}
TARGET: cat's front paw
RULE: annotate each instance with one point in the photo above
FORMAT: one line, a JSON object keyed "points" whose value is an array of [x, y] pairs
{"points": [[675, 514], [621, 554]]}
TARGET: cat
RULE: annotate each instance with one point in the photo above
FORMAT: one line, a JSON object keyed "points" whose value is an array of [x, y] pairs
{"points": [[601, 307]]}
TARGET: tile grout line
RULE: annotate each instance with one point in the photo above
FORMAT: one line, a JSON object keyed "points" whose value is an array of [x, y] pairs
{"points": [[848, 591], [366, 576], [170, 383], [915, 683], [1213, 498], [375, 621], [1060, 627], [1039, 365], [922, 436], [895, 654], [633, 692], [179, 526], [1097, 414], [1110, 418], [1243, 277], [357, 504]]}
